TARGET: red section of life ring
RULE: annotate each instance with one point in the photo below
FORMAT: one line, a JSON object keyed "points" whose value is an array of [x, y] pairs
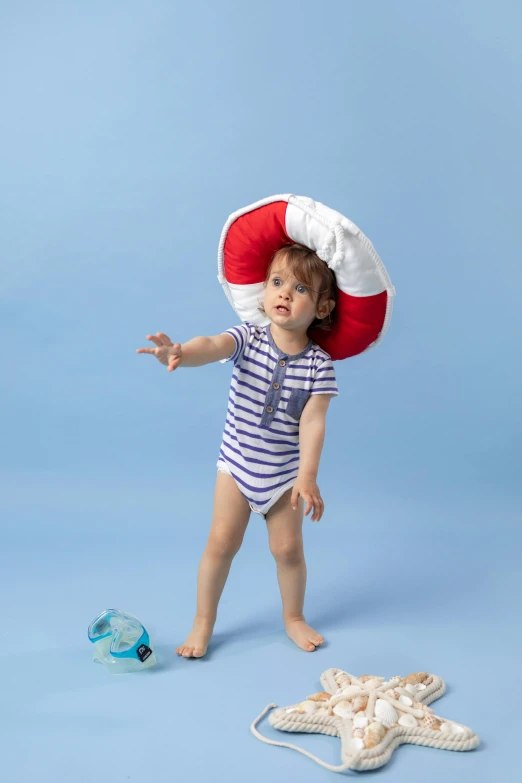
{"points": [[357, 323], [252, 241]]}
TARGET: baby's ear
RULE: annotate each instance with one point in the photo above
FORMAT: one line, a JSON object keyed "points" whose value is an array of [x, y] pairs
{"points": [[325, 308]]}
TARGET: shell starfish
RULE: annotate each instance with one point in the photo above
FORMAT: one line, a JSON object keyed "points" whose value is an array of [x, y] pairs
{"points": [[371, 716]]}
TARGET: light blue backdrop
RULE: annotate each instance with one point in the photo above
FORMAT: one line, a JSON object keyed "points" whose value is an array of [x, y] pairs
{"points": [[129, 132]]}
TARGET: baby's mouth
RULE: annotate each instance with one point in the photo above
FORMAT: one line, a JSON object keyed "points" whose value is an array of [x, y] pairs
{"points": [[282, 309]]}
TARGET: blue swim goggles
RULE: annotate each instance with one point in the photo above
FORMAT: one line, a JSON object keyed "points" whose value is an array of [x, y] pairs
{"points": [[121, 641]]}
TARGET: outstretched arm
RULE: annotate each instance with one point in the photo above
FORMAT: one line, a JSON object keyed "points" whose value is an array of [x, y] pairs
{"points": [[194, 353], [204, 350]]}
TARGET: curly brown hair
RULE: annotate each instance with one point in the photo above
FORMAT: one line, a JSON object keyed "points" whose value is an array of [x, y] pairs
{"points": [[313, 273]]}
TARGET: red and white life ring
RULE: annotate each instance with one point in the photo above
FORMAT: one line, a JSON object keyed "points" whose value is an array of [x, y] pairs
{"points": [[252, 235]]}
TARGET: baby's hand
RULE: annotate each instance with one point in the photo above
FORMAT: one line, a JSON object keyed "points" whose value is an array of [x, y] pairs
{"points": [[309, 491], [166, 352]]}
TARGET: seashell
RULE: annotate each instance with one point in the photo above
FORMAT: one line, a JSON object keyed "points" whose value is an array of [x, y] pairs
{"points": [[384, 712], [351, 691], [291, 709], [373, 734], [456, 729], [407, 720], [428, 681], [307, 706], [321, 696], [343, 680], [431, 722], [358, 733], [357, 742], [410, 688], [323, 710], [367, 677], [414, 678], [374, 682], [445, 727], [343, 709], [360, 703], [420, 686], [406, 700], [395, 678], [360, 721]]}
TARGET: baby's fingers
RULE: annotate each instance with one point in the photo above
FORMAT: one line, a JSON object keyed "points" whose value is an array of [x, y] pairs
{"points": [[159, 339], [145, 350], [318, 509], [163, 338], [174, 361], [294, 498]]}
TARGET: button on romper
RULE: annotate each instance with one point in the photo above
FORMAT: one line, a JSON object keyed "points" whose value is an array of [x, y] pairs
{"points": [[268, 391]]}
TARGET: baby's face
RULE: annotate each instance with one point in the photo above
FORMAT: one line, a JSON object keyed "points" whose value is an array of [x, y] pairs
{"points": [[287, 302]]}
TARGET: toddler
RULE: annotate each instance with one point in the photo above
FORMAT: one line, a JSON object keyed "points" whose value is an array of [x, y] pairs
{"points": [[281, 386]]}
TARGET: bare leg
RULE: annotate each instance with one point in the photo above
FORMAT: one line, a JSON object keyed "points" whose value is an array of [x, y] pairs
{"points": [[285, 530], [229, 521]]}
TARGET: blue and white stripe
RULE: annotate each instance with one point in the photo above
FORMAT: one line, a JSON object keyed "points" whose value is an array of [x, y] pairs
{"points": [[260, 445]]}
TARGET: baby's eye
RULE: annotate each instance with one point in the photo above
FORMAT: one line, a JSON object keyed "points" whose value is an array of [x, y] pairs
{"points": [[276, 280], [301, 289]]}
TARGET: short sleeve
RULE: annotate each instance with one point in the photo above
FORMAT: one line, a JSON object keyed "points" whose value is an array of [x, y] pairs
{"points": [[240, 334], [324, 381]]}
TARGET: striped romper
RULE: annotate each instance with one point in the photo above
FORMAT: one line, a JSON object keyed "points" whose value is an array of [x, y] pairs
{"points": [[268, 391]]}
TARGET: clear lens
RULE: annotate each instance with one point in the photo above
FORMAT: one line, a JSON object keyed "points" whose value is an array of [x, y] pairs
{"points": [[101, 626], [126, 639]]}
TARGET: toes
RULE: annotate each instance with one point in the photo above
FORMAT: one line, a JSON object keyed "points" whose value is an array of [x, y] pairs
{"points": [[190, 652], [309, 647]]}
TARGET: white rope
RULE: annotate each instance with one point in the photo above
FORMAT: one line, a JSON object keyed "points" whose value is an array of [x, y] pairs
{"points": [[256, 733], [338, 256], [335, 234]]}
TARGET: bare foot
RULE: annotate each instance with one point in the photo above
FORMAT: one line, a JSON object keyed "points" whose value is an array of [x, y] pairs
{"points": [[303, 635], [196, 643]]}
